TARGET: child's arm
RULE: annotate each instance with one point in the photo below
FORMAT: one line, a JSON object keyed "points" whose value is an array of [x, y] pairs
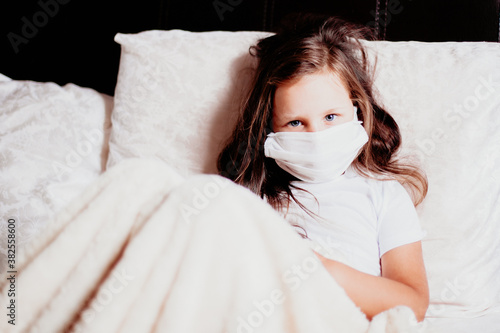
{"points": [[403, 282]]}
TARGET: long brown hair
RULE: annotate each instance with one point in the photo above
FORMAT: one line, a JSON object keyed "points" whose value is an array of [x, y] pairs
{"points": [[307, 47]]}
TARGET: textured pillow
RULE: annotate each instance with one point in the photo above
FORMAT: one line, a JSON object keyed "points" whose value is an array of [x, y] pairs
{"points": [[446, 100], [176, 95], [176, 100], [52, 145]]}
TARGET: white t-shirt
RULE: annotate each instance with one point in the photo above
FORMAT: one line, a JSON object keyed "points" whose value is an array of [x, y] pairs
{"points": [[360, 219]]}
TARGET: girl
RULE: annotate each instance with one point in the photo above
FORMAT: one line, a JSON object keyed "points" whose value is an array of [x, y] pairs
{"points": [[312, 141]]}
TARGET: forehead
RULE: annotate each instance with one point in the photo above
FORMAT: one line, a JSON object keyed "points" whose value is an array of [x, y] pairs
{"points": [[317, 92]]}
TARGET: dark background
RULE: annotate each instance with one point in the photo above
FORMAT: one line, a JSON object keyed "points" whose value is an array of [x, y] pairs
{"points": [[72, 40]]}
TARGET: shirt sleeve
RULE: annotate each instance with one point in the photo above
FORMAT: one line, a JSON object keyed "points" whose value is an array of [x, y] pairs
{"points": [[398, 222]]}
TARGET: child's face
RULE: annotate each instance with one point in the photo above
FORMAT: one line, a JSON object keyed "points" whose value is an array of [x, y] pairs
{"points": [[312, 103]]}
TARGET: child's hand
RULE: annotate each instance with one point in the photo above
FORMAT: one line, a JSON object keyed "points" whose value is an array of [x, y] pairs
{"points": [[403, 281]]}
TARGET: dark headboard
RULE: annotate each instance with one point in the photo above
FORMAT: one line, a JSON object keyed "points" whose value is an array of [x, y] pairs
{"points": [[72, 40]]}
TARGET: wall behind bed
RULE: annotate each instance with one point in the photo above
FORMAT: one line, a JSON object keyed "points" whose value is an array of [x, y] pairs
{"points": [[72, 40]]}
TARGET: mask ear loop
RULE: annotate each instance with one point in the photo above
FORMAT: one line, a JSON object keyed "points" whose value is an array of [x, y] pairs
{"points": [[355, 118]]}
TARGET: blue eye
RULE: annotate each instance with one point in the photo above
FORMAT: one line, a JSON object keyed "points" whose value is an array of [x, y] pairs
{"points": [[330, 117], [294, 123]]}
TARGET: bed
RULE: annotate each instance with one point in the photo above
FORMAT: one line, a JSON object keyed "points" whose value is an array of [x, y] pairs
{"points": [[174, 105]]}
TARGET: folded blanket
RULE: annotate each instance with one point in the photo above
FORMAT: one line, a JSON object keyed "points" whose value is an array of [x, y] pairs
{"points": [[144, 250]]}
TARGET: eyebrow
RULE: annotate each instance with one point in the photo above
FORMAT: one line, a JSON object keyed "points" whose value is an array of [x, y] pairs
{"points": [[294, 115]]}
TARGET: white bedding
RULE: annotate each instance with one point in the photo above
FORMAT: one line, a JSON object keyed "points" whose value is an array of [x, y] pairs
{"points": [[4, 78], [445, 97], [53, 143], [489, 323], [214, 263]]}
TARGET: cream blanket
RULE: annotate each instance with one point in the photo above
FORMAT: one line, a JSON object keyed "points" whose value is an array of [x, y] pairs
{"points": [[144, 250]]}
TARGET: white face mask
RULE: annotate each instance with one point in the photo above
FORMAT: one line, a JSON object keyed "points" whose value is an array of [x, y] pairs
{"points": [[317, 156]]}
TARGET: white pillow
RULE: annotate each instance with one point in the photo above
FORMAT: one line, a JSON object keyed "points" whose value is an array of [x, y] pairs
{"points": [[446, 99], [176, 100], [53, 143], [176, 95]]}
